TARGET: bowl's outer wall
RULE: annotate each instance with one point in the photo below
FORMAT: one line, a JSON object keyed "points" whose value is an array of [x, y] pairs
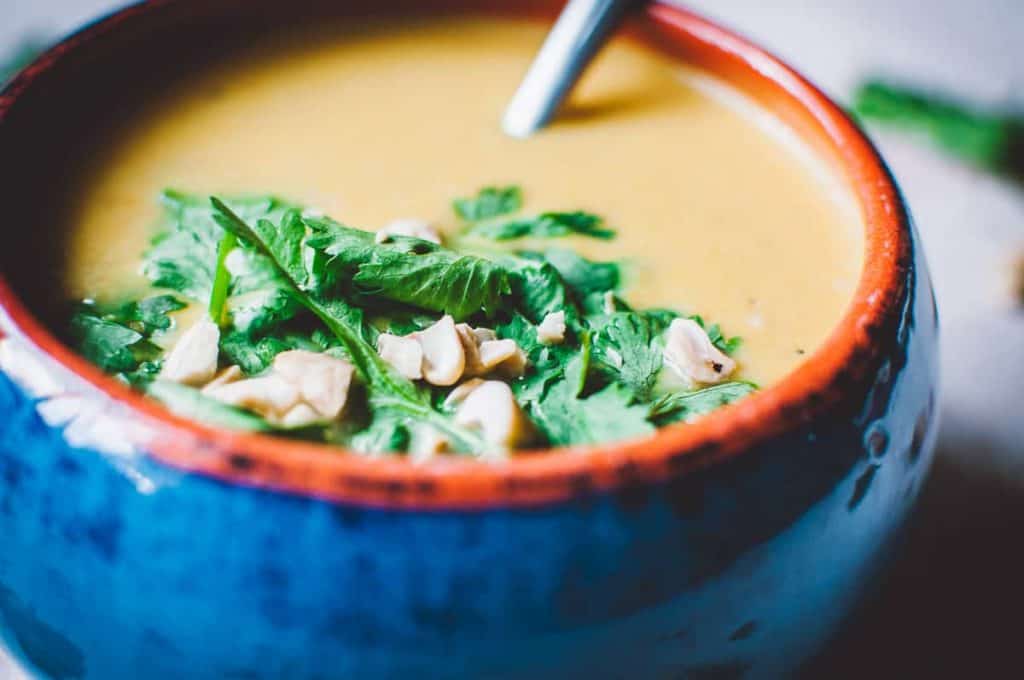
{"points": [[113, 565]]}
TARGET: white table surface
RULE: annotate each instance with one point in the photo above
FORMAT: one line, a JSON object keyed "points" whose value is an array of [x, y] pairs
{"points": [[948, 606]]}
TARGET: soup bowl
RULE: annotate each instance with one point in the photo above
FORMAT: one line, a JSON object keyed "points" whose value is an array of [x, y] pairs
{"points": [[137, 544]]}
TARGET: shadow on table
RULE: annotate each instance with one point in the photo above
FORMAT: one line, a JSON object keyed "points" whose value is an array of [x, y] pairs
{"points": [[951, 604]]}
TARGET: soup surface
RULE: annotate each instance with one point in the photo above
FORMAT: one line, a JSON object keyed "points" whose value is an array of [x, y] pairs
{"points": [[718, 209]]}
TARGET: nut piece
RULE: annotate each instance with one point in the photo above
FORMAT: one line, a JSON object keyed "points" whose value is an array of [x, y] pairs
{"points": [[690, 353], [486, 354], [444, 358], [408, 227], [551, 330], [302, 388], [459, 394], [193, 360], [491, 409], [271, 396], [322, 380], [404, 353], [300, 415], [224, 377]]}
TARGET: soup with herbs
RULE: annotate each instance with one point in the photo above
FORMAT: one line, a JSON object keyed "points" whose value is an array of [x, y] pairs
{"points": [[330, 238]]}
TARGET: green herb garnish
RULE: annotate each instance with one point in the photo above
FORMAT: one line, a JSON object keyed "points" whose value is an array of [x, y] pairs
{"points": [[489, 202], [684, 405], [487, 215], [276, 279]]}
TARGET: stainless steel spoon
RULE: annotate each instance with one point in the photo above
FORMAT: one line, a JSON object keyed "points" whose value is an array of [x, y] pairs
{"points": [[578, 34]]}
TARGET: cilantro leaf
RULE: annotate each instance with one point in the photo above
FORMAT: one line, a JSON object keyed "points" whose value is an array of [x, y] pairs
{"points": [[627, 349], [186, 257], [410, 271], [147, 316], [545, 225], [460, 285], [539, 289], [489, 202], [608, 415], [584, 276], [686, 405], [254, 355], [118, 339]]}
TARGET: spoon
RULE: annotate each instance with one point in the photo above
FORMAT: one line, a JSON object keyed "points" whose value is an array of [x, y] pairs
{"points": [[581, 29]]}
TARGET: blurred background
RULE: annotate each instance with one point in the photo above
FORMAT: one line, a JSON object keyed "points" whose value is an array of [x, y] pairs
{"points": [[949, 605]]}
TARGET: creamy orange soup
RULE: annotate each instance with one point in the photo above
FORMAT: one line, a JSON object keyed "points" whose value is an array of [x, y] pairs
{"points": [[719, 209]]}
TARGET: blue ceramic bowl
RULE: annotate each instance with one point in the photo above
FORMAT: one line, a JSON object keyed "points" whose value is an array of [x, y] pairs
{"points": [[137, 545]]}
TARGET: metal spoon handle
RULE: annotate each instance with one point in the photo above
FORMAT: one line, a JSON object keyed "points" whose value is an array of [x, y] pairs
{"points": [[575, 39]]}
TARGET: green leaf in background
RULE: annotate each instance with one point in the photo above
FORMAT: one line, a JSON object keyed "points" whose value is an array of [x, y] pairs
{"points": [[20, 57], [992, 140]]}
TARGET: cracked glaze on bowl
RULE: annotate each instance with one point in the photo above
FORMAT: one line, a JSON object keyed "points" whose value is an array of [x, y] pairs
{"points": [[132, 545]]}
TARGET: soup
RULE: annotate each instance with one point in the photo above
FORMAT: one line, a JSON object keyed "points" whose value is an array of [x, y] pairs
{"points": [[707, 204]]}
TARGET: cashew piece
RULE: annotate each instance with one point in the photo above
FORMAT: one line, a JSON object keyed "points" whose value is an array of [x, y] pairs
{"points": [[492, 409], [193, 360], [691, 354], [444, 358], [551, 329], [404, 353]]}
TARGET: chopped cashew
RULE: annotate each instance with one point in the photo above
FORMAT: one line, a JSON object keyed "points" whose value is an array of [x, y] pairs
{"points": [[300, 415], [691, 354], [459, 394], [444, 358], [514, 366], [408, 227], [225, 377], [495, 352], [302, 388], [404, 353], [482, 335], [486, 354], [491, 409], [322, 380], [193, 360], [551, 330], [271, 395]]}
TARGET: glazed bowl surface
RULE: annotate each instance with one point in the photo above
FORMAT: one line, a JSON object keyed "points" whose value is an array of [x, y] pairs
{"points": [[135, 544]]}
